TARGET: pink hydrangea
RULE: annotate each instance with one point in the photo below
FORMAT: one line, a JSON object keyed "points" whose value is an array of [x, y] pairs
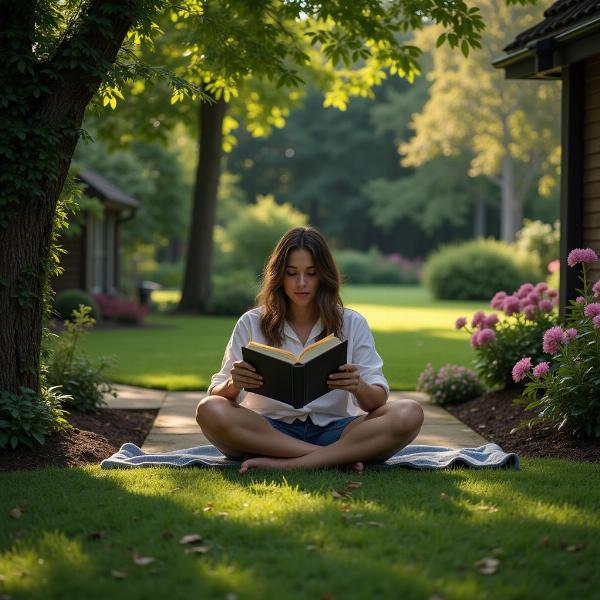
{"points": [[486, 336], [546, 305], [592, 310], [460, 322], [525, 289], [580, 300], [490, 321], [533, 298], [596, 321], [521, 368], [478, 318], [596, 288], [581, 255], [541, 287], [498, 300], [510, 305], [540, 370], [552, 293], [553, 338], [571, 333]]}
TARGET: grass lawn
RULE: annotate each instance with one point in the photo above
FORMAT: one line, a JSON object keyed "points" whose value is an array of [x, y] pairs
{"points": [[403, 534], [181, 353]]}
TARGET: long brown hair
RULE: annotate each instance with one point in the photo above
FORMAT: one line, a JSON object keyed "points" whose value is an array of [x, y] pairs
{"points": [[275, 302]]}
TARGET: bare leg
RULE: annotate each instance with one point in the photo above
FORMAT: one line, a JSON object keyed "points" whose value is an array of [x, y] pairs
{"points": [[374, 437], [238, 431]]}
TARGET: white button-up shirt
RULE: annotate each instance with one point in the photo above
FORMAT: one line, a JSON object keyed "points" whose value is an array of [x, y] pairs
{"points": [[336, 404]]}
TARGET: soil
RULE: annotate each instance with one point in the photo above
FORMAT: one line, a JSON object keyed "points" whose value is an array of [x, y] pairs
{"points": [[494, 414], [94, 437]]}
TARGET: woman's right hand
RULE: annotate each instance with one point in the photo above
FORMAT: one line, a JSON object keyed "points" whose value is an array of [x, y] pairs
{"points": [[244, 376]]}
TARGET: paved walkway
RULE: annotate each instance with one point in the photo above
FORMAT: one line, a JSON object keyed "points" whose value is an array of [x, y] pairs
{"points": [[175, 426]]}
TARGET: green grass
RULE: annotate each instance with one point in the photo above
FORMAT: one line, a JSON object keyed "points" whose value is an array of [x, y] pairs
{"points": [[287, 537], [181, 353]]}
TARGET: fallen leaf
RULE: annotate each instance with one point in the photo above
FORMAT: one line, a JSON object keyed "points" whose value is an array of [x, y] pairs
{"points": [[376, 523], [96, 535], [487, 565], [339, 494], [16, 513], [311, 547], [487, 508], [142, 561], [574, 547], [173, 490], [197, 550], [353, 485], [208, 507], [223, 513], [167, 534], [190, 538], [119, 574]]}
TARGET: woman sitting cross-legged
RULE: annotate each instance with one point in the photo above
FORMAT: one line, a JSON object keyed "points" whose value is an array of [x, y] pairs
{"points": [[352, 424]]}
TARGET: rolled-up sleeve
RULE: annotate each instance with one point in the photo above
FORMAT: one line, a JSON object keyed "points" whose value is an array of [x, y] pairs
{"points": [[240, 336], [365, 356]]}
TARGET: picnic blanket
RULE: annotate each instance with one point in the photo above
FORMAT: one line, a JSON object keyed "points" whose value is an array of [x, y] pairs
{"points": [[412, 456]]}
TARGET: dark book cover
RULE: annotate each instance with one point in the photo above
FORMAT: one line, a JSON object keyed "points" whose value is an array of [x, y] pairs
{"points": [[297, 384]]}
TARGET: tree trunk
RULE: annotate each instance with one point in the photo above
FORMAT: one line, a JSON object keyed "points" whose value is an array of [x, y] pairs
{"points": [[53, 121], [508, 212], [480, 218], [197, 280]]}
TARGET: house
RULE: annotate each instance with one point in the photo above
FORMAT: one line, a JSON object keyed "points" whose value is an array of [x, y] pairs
{"points": [[565, 47], [92, 259]]}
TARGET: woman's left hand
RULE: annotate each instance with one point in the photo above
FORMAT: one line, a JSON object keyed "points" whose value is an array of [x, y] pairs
{"points": [[348, 380]]}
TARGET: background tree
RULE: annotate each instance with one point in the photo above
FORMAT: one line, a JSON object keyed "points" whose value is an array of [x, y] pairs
{"points": [[508, 130]]}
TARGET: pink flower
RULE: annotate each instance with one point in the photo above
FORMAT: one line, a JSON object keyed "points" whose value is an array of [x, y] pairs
{"points": [[596, 321], [521, 368], [541, 287], [490, 321], [486, 336], [475, 340], [592, 310], [596, 288], [525, 289], [478, 318], [553, 338], [581, 255], [498, 300], [546, 305], [580, 300], [529, 312], [553, 266], [541, 369], [460, 322], [571, 333], [510, 305], [533, 297], [551, 293]]}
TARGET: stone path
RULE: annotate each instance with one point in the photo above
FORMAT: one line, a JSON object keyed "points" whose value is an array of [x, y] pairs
{"points": [[175, 426]]}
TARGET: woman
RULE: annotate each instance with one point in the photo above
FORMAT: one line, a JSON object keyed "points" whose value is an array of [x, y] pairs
{"points": [[298, 304]]}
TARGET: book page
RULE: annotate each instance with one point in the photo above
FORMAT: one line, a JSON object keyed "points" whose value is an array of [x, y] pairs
{"points": [[318, 348], [283, 355]]}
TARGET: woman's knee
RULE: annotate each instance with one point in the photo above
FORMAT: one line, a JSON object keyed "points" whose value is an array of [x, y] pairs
{"points": [[407, 416], [212, 412]]}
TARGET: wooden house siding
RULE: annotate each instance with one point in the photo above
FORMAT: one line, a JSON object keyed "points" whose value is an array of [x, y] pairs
{"points": [[72, 263], [591, 161]]}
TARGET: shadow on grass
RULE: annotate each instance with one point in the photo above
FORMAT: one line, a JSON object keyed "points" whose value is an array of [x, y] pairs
{"points": [[403, 534]]}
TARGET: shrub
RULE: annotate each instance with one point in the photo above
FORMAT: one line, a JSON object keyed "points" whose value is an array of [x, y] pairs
{"points": [[69, 300], [27, 418], [233, 294], [565, 389], [540, 240], [498, 344], [82, 380], [449, 385], [120, 310], [372, 267], [475, 270], [168, 274]]}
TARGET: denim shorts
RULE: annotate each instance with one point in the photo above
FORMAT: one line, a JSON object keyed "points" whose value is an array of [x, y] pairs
{"points": [[307, 431]]}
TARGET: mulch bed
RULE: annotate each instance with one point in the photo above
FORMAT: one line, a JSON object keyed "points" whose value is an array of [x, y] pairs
{"points": [[494, 414], [93, 438]]}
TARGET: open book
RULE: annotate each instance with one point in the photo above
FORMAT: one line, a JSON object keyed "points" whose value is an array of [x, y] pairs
{"points": [[296, 380]]}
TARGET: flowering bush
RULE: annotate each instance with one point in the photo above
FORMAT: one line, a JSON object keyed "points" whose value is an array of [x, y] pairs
{"points": [[498, 344], [449, 385], [118, 309], [566, 390]]}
